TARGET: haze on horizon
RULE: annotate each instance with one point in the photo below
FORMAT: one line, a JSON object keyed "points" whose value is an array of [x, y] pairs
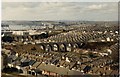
{"points": [[90, 11]]}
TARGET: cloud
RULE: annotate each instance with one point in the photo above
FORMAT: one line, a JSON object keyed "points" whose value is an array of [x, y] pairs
{"points": [[47, 10], [97, 7], [19, 4], [58, 11], [60, 0]]}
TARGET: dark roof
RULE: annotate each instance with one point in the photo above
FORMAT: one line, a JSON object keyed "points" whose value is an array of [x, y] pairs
{"points": [[31, 62], [36, 64], [87, 68]]}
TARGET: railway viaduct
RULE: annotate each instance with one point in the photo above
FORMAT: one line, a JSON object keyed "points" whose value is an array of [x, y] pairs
{"points": [[63, 47]]}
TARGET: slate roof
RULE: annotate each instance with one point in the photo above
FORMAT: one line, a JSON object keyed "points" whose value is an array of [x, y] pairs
{"points": [[36, 64]]}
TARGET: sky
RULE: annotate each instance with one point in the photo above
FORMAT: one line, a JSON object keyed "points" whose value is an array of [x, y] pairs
{"points": [[60, 0], [90, 11]]}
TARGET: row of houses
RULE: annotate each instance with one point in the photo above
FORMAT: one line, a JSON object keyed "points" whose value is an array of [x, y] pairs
{"points": [[59, 64], [76, 36]]}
